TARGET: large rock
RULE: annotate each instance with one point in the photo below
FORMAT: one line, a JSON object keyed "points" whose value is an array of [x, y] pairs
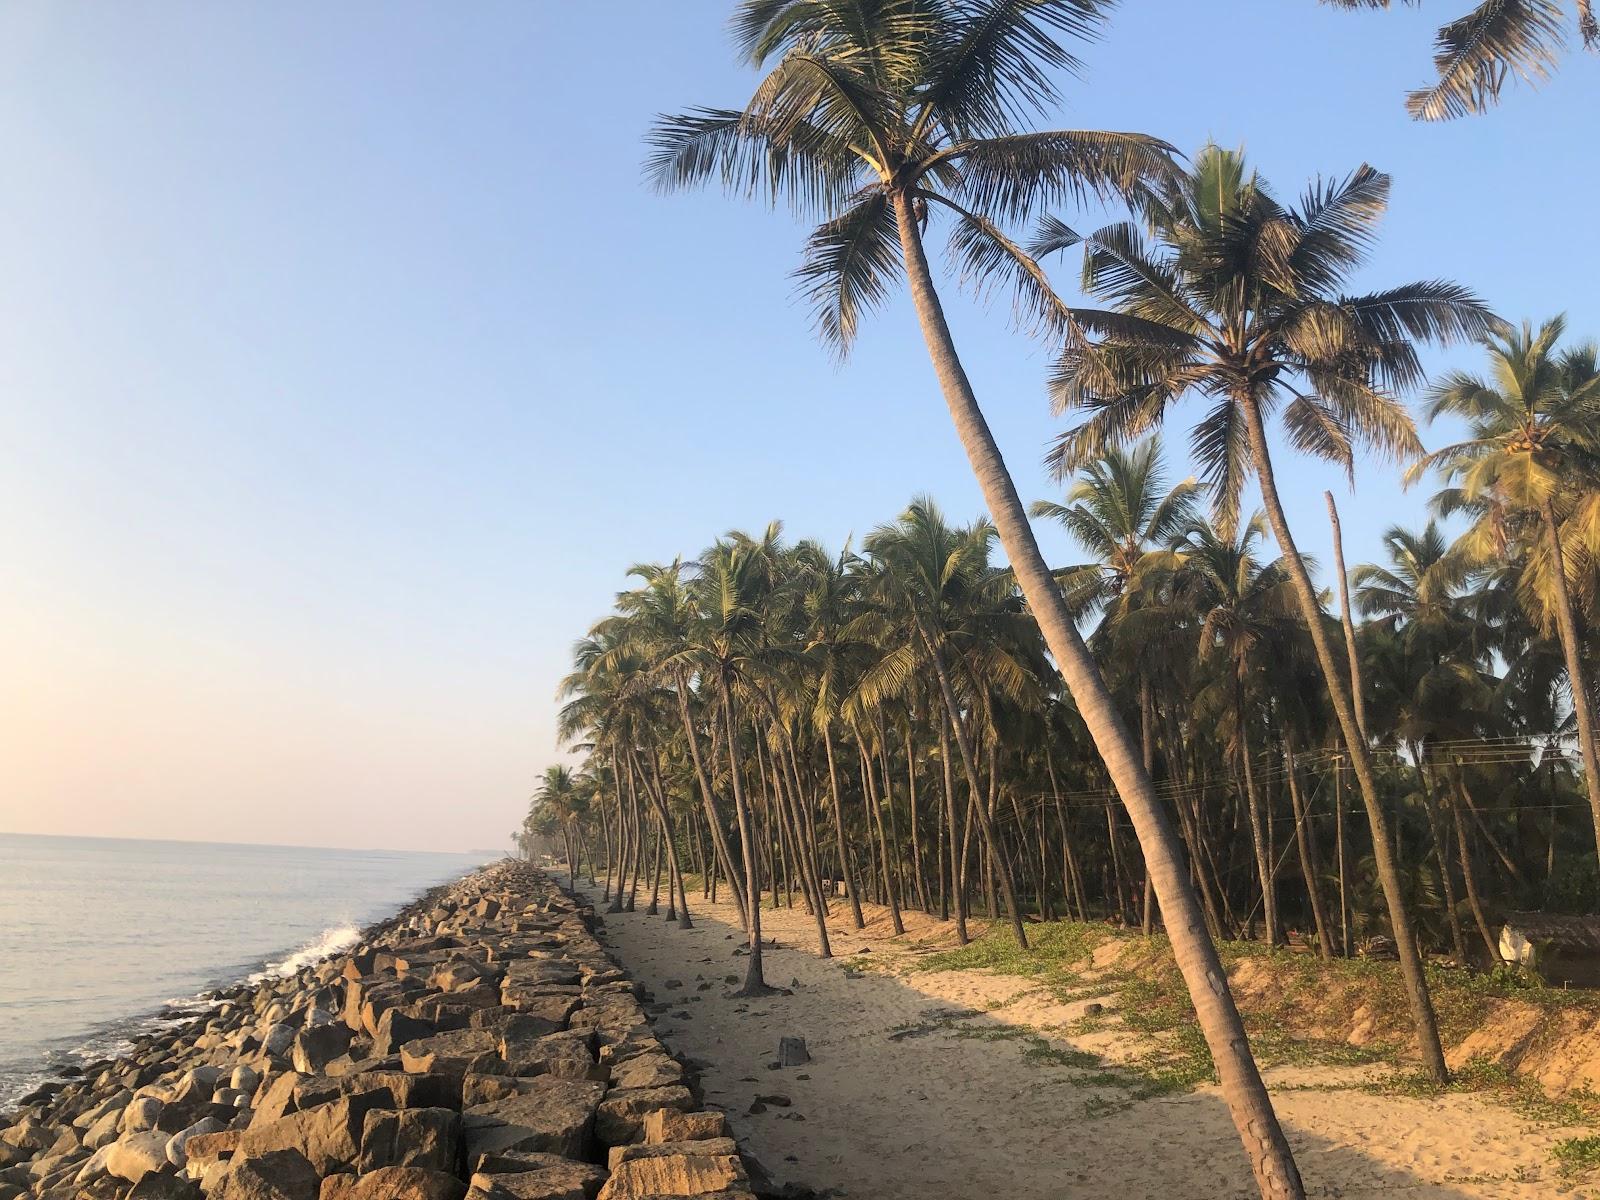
{"points": [[528, 1050], [647, 1071], [164, 1187], [672, 1125], [439, 1090], [278, 1038], [275, 1175], [394, 1183], [177, 1144], [551, 1009], [104, 1131], [329, 1135], [554, 1179], [135, 1155], [395, 1029], [553, 1115], [455, 975], [675, 1169], [203, 1149], [620, 1119], [141, 1114], [113, 1103], [455, 1053], [316, 1047], [416, 1137]]}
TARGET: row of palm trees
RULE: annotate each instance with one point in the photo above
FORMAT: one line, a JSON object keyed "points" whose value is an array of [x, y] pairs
{"points": [[888, 121], [797, 726]]}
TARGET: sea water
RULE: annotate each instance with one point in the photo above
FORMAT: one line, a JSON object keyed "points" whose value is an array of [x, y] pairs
{"points": [[98, 934]]}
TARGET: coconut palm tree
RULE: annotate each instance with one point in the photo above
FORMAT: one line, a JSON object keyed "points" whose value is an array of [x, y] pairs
{"points": [[1476, 54], [1530, 472], [1120, 509], [1236, 298], [875, 116], [934, 583], [558, 795], [730, 590], [1247, 617]]}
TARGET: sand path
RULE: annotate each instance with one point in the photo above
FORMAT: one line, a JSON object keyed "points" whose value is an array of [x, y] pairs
{"points": [[897, 1103]]}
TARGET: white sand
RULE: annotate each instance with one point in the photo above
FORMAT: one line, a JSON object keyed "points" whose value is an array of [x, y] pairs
{"points": [[942, 1116]]}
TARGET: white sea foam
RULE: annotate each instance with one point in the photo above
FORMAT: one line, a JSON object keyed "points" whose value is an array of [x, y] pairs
{"points": [[334, 940]]}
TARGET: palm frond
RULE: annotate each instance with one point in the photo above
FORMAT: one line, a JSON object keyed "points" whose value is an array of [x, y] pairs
{"points": [[1477, 53], [997, 60], [730, 147], [987, 259], [1014, 176], [848, 267]]}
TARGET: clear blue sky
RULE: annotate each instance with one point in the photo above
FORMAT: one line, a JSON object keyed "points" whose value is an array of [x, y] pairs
{"points": [[346, 363]]}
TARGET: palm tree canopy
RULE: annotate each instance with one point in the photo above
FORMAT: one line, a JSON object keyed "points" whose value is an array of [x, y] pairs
{"points": [[1236, 297], [1477, 53], [869, 99], [1121, 509], [1534, 439]]}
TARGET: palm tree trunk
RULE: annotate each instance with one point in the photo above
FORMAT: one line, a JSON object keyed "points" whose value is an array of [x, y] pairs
{"points": [[1263, 853], [619, 867], [1422, 1014], [1271, 1160], [916, 834], [975, 800], [713, 822], [1341, 857], [755, 983], [948, 832], [851, 888], [1467, 874], [674, 863], [1577, 683], [1308, 864], [1447, 886], [1358, 697]]}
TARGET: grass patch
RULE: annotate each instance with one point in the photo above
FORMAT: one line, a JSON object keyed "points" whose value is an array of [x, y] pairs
{"points": [[1053, 946], [1579, 1155]]}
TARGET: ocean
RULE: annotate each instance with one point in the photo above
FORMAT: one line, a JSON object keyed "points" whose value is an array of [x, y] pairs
{"points": [[97, 934]]}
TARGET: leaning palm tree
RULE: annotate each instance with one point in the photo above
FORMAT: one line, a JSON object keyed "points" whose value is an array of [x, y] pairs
{"points": [[875, 116], [1236, 298], [1531, 466], [1476, 54]]}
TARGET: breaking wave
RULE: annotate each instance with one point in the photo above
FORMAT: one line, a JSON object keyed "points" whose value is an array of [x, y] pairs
{"points": [[334, 940]]}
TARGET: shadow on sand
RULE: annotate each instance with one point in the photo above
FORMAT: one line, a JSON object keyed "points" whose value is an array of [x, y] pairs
{"points": [[915, 1091]]}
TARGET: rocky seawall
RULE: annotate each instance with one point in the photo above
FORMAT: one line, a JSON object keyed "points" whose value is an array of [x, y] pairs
{"points": [[481, 1045]]}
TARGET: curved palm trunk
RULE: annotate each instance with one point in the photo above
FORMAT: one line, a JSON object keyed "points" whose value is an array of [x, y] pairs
{"points": [[1422, 1014], [1577, 684], [1271, 1160]]}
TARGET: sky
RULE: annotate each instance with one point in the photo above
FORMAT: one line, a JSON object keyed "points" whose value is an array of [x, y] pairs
{"points": [[347, 362]]}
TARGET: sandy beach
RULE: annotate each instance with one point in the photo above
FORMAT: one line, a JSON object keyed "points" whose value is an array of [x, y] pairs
{"points": [[927, 1084]]}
